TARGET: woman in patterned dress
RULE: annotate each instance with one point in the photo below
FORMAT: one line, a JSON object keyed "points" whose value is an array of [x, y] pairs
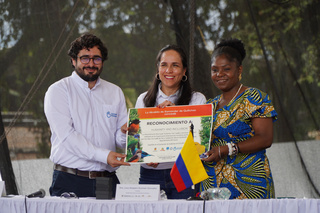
{"points": [[242, 129]]}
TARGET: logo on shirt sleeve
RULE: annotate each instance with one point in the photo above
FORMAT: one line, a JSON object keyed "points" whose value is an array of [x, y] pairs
{"points": [[110, 114]]}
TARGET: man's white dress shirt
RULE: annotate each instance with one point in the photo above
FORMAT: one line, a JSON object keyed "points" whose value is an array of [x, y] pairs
{"points": [[85, 123]]}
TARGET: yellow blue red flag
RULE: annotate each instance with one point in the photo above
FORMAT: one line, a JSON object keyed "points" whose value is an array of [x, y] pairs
{"points": [[188, 169]]}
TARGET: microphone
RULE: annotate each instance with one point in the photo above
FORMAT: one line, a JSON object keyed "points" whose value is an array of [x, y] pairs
{"points": [[41, 193]]}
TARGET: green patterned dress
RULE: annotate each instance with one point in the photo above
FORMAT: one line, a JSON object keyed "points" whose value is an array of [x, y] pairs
{"points": [[245, 175]]}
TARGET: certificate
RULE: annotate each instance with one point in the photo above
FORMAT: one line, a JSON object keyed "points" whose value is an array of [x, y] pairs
{"points": [[158, 134]]}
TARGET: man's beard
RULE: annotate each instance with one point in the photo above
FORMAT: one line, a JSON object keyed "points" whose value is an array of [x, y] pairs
{"points": [[88, 77]]}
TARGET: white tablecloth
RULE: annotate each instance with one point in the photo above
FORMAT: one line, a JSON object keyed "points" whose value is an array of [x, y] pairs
{"points": [[57, 205]]}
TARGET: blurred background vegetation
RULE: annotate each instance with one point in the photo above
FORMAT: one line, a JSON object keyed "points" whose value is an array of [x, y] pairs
{"points": [[281, 37]]}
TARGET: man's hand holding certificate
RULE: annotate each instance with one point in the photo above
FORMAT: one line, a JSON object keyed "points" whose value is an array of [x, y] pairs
{"points": [[158, 134]]}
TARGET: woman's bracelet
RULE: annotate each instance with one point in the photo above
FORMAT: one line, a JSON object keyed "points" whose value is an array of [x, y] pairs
{"points": [[230, 149], [238, 148], [233, 149]]}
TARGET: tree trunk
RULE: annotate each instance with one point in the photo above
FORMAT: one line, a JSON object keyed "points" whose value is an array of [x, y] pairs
{"points": [[5, 163], [201, 78]]}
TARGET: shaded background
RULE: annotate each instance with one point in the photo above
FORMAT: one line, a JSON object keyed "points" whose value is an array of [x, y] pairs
{"points": [[281, 38]]}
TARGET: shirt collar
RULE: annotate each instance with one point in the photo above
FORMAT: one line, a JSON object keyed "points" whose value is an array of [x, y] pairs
{"points": [[82, 82], [161, 94]]}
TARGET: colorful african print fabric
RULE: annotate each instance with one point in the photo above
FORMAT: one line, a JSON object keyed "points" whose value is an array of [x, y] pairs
{"points": [[245, 175]]}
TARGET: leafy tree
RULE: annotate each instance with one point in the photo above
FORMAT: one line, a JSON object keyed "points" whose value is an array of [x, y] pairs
{"points": [[35, 36], [289, 32]]}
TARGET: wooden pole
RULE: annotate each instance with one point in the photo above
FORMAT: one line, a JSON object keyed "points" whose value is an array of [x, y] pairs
{"points": [[6, 169]]}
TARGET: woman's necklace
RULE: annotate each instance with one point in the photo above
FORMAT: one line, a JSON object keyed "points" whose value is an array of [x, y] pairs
{"points": [[236, 93], [233, 96]]}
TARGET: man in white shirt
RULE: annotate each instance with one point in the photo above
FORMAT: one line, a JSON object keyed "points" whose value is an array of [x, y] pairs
{"points": [[85, 114]]}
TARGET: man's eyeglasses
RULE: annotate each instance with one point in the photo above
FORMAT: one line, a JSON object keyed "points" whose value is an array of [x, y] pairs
{"points": [[86, 59], [68, 195]]}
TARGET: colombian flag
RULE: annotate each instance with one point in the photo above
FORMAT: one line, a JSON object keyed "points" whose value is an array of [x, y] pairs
{"points": [[188, 169]]}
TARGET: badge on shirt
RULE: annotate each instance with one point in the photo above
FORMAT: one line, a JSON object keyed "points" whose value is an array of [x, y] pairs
{"points": [[110, 114]]}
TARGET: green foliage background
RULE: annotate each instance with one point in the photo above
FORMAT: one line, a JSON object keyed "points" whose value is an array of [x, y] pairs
{"points": [[35, 36]]}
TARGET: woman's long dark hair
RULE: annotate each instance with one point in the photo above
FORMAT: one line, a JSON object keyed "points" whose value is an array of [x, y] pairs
{"points": [[186, 93]]}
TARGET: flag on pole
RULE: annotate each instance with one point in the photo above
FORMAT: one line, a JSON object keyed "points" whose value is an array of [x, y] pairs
{"points": [[188, 169]]}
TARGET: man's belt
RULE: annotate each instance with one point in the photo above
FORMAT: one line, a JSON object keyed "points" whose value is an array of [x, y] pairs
{"points": [[88, 174]]}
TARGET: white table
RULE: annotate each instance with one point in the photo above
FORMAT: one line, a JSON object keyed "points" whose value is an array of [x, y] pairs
{"points": [[57, 205]]}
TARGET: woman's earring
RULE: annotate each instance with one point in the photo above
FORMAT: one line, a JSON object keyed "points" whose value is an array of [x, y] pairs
{"points": [[157, 76], [240, 77], [184, 78]]}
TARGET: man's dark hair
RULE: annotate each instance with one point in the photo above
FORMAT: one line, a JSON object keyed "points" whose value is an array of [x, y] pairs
{"points": [[87, 41]]}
